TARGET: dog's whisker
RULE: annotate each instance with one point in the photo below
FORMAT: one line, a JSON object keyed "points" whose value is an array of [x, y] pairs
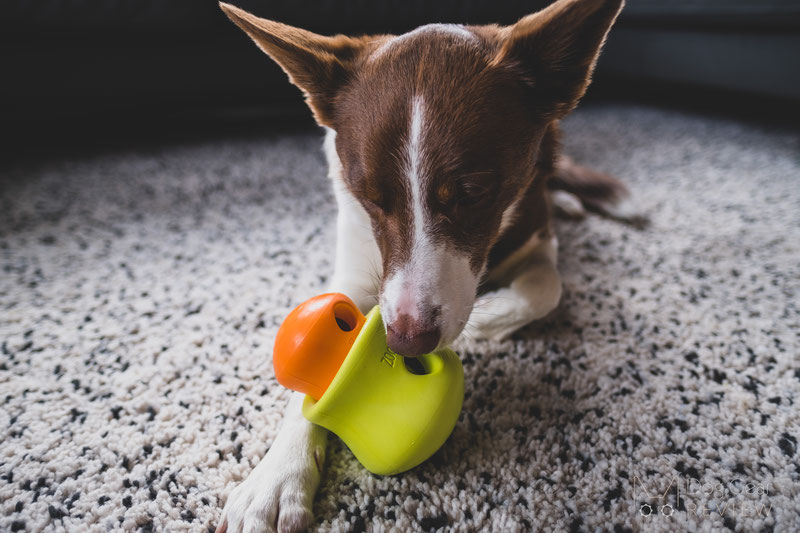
{"points": [[486, 301], [485, 313]]}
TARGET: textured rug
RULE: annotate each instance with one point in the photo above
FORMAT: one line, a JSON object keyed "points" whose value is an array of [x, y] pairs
{"points": [[141, 288]]}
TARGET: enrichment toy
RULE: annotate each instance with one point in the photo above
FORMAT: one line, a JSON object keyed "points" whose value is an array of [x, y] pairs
{"points": [[391, 414]]}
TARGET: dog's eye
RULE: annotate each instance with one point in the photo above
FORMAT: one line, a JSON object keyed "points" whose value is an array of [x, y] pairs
{"points": [[471, 194]]}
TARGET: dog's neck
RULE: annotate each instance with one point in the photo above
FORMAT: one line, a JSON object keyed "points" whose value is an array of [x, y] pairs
{"points": [[531, 214]]}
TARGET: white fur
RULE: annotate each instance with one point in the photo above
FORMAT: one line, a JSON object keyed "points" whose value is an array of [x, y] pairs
{"points": [[433, 277], [414, 173], [567, 204], [510, 214]]}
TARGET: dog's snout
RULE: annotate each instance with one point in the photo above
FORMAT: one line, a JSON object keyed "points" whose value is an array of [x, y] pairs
{"points": [[410, 337]]}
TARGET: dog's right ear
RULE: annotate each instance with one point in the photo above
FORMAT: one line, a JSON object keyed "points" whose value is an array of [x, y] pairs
{"points": [[317, 64]]}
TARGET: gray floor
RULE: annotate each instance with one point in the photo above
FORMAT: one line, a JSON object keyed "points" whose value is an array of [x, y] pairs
{"points": [[141, 289]]}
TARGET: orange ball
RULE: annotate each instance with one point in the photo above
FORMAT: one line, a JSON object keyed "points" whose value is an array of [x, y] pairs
{"points": [[313, 341]]}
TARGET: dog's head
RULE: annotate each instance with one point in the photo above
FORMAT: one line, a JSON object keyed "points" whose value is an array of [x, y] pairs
{"points": [[438, 131]]}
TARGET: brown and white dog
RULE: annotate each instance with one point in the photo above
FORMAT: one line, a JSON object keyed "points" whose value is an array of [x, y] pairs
{"points": [[442, 145]]}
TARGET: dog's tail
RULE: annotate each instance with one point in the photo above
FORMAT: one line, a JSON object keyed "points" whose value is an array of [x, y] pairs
{"points": [[597, 192], [594, 189]]}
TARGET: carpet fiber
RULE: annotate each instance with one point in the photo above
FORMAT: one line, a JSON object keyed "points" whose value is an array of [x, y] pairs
{"points": [[141, 289]]}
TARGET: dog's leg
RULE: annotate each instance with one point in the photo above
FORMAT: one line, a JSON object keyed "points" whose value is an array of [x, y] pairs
{"points": [[357, 272], [533, 292], [279, 492]]}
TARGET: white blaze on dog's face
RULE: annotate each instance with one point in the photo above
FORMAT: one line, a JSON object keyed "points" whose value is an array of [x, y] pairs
{"points": [[437, 132], [427, 298]]}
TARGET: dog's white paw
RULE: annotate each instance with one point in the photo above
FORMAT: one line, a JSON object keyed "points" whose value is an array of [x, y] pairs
{"points": [[497, 315], [278, 494]]}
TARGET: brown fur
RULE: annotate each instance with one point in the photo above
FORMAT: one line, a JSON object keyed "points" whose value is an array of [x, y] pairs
{"points": [[477, 141], [533, 213], [317, 64], [491, 107]]}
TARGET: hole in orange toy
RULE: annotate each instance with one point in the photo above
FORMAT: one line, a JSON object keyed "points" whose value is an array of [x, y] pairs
{"points": [[345, 317]]}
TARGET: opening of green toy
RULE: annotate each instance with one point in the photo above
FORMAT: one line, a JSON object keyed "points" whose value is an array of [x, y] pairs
{"points": [[416, 365]]}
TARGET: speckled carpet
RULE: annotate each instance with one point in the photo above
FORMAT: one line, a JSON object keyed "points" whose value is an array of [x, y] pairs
{"points": [[140, 290]]}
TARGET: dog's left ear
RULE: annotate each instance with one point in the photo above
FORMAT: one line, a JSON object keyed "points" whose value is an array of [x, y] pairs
{"points": [[317, 64], [555, 50]]}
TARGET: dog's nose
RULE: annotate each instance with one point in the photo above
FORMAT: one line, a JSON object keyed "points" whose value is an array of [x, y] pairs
{"points": [[410, 337]]}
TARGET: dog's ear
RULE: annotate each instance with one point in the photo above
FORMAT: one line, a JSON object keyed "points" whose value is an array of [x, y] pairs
{"points": [[555, 50], [317, 64]]}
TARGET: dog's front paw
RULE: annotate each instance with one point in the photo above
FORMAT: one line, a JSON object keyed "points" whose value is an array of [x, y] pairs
{"points": [[497, 315], [281, 503], [278, 494]]}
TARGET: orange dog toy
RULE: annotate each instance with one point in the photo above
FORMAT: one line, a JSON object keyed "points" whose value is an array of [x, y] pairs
{"points": [[314, 340]]}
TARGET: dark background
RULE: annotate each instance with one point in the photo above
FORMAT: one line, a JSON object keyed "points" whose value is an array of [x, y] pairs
{"points": [[107, 67]]}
